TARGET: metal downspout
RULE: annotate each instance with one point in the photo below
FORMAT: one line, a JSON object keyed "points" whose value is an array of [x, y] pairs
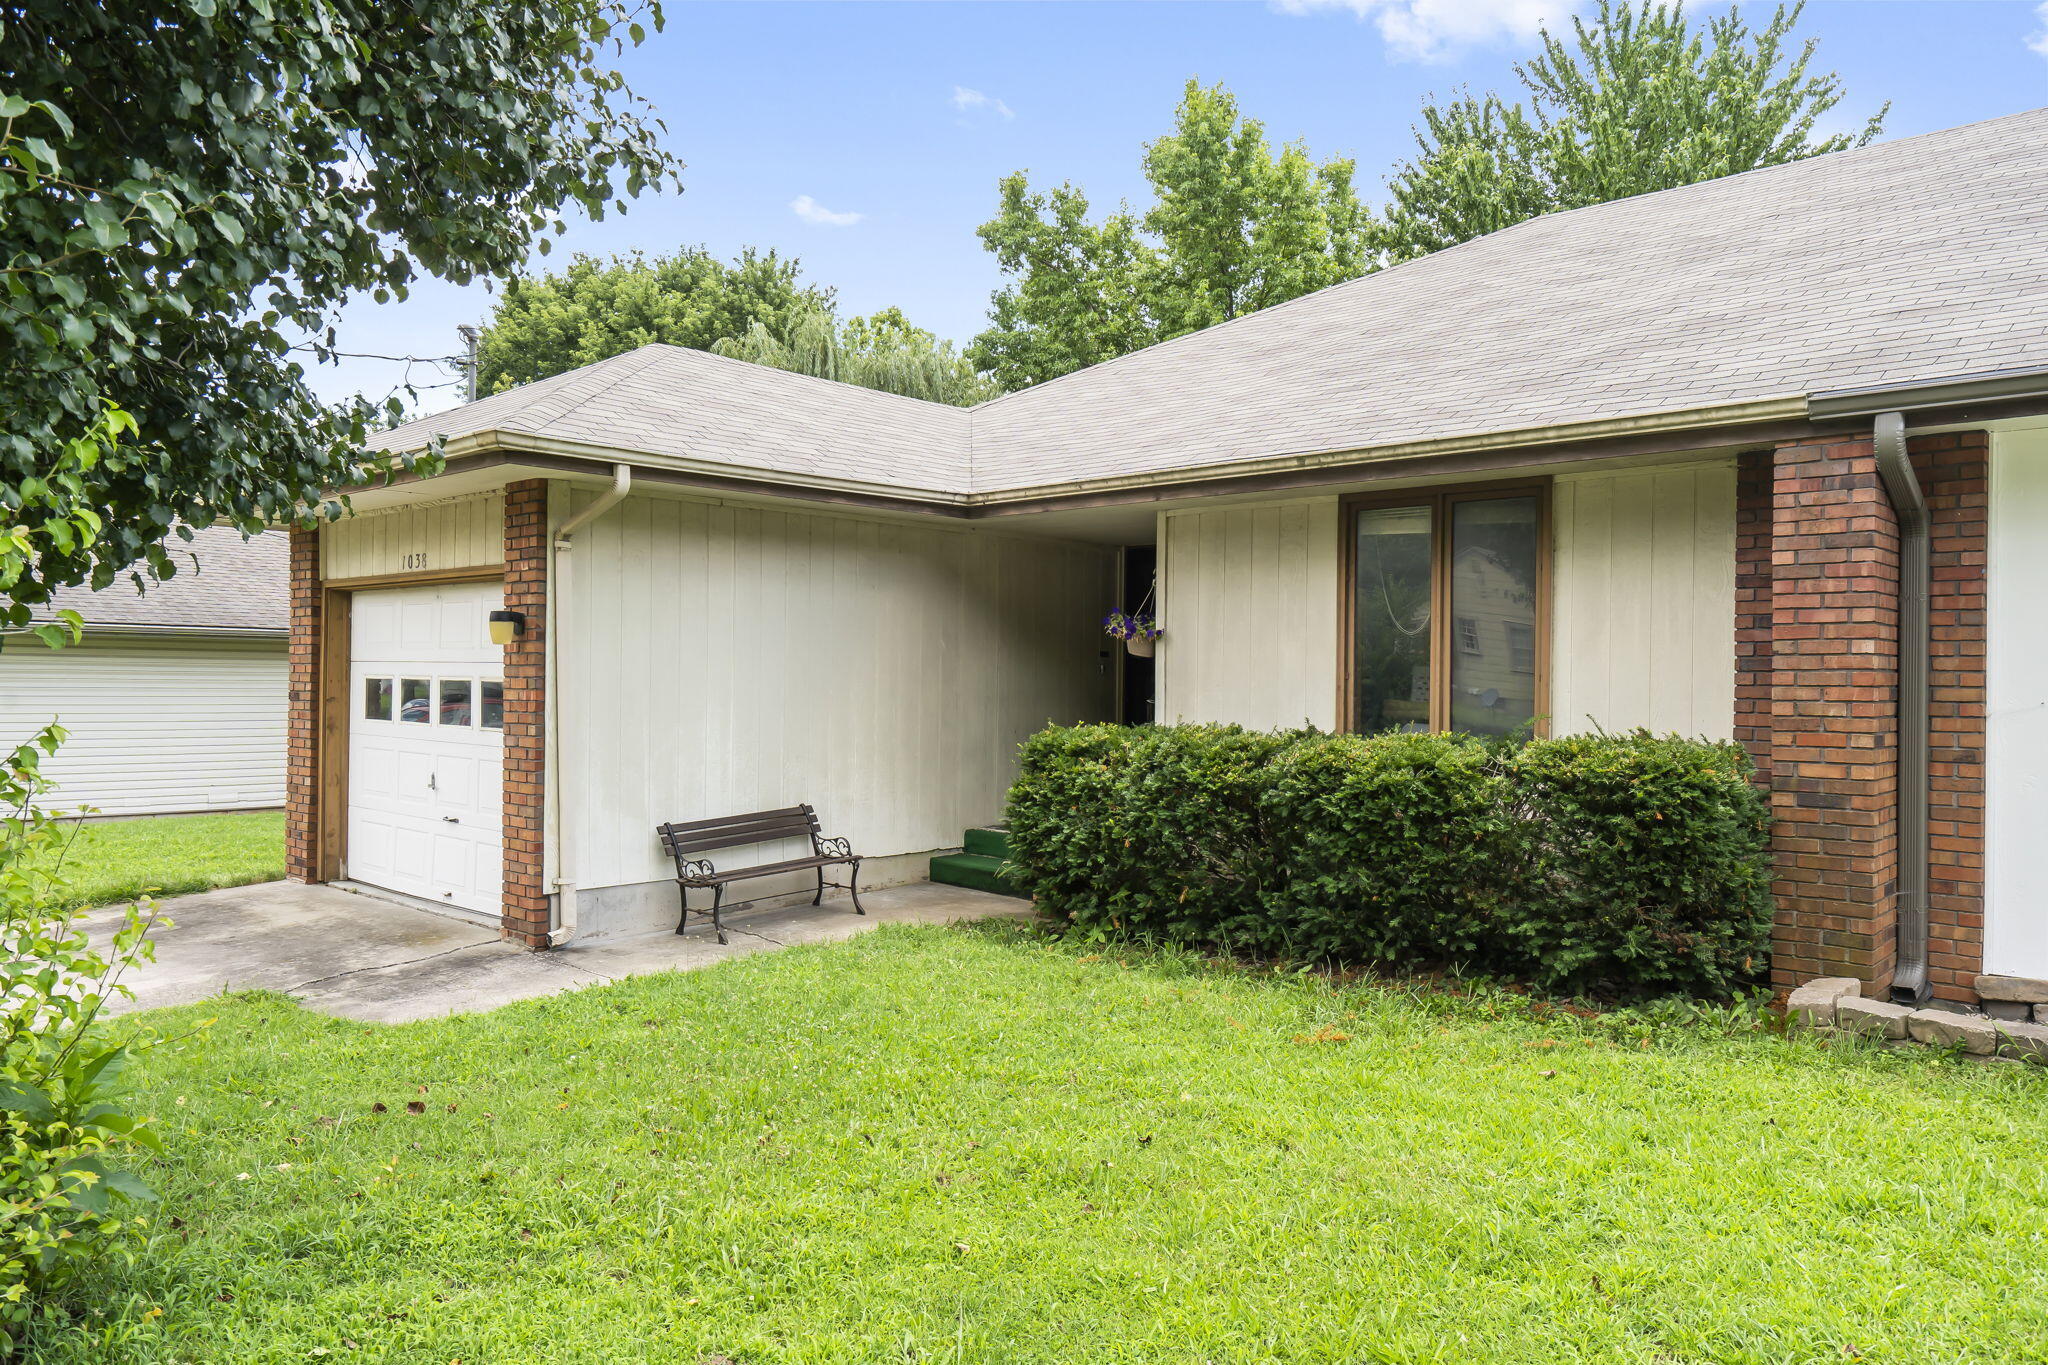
{"points": [[558, 595], [1902, 487]]}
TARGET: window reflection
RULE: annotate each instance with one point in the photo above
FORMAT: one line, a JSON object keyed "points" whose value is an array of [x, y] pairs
{"points": [[376, 699], [1391, 635], [413, 705], [1493, 591], [492, 705], [454, 709]]}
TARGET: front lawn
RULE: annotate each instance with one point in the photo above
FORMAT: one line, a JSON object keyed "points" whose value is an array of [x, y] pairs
{"points": [[974, 1145], [117, 860]]}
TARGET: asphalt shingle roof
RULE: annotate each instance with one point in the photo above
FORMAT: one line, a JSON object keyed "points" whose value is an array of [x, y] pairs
{"points": [[1911, 260], [237, 584]]}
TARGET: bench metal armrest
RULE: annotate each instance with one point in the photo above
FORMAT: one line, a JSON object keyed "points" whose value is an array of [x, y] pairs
{"points": [[833, 848], [694, 869]]}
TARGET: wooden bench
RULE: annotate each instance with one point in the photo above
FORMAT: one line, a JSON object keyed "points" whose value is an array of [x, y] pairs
{"points": [[684, 841]]}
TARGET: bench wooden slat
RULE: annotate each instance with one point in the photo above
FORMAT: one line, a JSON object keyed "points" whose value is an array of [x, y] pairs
{"points": [[719, 821], [770, 869], [736, 837]]}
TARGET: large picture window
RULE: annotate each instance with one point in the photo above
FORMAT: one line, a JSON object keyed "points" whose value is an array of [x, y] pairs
{"points": [[1445, 610]]}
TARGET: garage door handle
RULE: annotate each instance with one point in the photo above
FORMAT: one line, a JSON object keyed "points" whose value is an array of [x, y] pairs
{"points": [[451, 819]]}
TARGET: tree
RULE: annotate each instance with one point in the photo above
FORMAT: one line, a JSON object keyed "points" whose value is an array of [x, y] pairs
{"points": [[188, 190], [599, 308], [1640, 99], [1235, 228], [882, 351]]}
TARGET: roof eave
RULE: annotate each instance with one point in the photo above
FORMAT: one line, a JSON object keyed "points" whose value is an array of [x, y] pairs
{"points": [[499, 441], [1704, 420], [1920, 395]]}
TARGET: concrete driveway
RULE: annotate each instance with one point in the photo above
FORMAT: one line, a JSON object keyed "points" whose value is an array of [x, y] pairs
{"points": [[363, 957]]}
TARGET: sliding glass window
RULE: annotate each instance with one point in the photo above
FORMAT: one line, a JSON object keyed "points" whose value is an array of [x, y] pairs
{"points": [[1446, 611]]}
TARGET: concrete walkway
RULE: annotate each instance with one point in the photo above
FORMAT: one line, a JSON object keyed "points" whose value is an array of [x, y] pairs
{"points": [[363, 957]]}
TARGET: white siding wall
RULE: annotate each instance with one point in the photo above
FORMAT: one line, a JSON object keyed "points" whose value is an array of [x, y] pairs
{"points": [[720, 659], [1248, 599], [157, 723], [459, 534], [1643, 600], [2016, 707]]}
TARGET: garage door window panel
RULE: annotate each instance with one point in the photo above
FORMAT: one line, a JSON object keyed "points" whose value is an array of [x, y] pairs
{"points": [[455, 702], [414, 707], [376, 699]]}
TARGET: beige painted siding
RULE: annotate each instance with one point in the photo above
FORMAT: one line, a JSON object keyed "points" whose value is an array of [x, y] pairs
{"points": [[462, 533], [1248, 597], [723, 658], [158, 723], [1643, 600]]}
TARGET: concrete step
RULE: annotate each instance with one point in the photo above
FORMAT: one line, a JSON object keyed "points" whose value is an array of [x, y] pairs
{"points": [[988, 842], [975, 871]]}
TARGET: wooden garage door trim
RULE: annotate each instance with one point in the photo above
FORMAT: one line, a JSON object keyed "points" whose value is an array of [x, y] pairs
{"points": [[337, 603]]}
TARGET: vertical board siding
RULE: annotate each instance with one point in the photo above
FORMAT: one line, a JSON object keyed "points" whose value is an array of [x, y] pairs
{"points": [[1248, 598], [1643, 601], [2016, 705], [720, 658], [466, 533], [158, 723]]}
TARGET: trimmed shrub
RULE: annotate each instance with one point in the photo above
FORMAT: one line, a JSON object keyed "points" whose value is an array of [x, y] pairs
{"points": [[1652, 867], [1627, 865], [1392, 849]]}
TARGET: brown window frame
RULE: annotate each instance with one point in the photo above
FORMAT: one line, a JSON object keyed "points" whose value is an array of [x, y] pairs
{"points": [[1439, 499]]}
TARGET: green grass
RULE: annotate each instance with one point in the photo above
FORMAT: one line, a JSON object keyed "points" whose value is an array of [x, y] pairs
{"points": [[117, 860], [944, 1145]]}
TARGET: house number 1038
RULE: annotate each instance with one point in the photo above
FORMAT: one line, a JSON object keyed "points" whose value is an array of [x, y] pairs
{"points": [[416, 560]]}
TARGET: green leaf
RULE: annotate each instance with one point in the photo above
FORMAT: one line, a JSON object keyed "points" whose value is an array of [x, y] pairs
{"points": [[29, 1101]]}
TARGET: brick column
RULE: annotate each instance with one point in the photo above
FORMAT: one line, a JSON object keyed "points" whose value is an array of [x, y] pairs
{"points": [[302, 712], [1952, 470], [1754, 472], [1833, 709], [525, 810]]}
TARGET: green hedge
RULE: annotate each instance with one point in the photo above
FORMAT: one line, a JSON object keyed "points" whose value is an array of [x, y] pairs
{"points": [[1623, 864]]}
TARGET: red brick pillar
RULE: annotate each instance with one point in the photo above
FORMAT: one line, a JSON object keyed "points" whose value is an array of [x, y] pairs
{"points": [[525, 812], [1754, 472], [1833, 697], [302, 712], [1952, 470]]}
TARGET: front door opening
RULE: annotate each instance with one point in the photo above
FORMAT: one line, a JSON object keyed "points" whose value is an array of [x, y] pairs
{"points": [[1137, 688]]}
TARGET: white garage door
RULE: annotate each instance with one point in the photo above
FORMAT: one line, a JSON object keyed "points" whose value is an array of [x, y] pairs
{"points": [[426, 743]]}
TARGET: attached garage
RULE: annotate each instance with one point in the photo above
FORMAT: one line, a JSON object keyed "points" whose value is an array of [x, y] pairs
{"points": [[175, 700]]}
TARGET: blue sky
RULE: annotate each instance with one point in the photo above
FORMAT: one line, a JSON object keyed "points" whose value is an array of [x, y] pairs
{"points": [[867, 138]]}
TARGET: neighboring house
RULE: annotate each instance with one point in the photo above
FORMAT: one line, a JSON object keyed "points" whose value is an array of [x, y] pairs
{"points": [[1624, 466], [175, 698]]}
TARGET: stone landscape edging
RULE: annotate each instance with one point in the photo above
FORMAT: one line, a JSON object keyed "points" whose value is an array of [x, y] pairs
{"points": [[1834, 1002]]}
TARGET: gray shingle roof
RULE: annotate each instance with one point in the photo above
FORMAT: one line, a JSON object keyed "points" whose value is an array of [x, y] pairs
{"points": [[238, 585], [1911, 260], [692, 405]]}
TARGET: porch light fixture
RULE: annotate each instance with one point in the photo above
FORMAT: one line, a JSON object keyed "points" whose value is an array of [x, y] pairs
{"points": [[507, 626]]}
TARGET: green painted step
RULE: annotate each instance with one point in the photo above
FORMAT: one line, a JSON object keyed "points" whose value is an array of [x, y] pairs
{"points": [[989, 843], [975, 871]]}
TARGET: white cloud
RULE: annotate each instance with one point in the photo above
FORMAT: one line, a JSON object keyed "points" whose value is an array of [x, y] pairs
{"points": [[811, 211], [2039, 40], [1438, 30], [966, 100]]}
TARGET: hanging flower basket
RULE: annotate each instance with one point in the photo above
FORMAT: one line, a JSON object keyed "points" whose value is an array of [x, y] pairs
{"points": [[1136, 629]]}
